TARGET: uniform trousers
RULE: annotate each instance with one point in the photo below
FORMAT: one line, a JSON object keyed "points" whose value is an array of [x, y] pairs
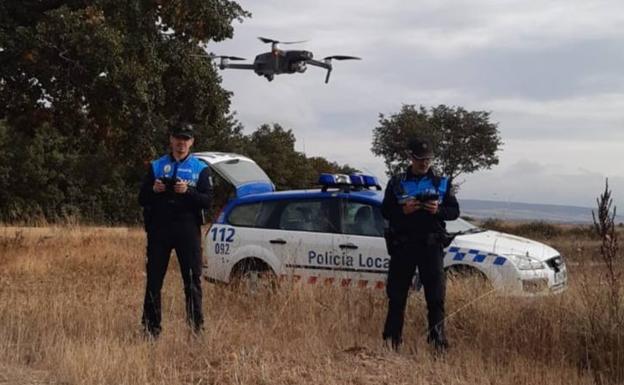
{"points": [[183, 236], [428, 257]]}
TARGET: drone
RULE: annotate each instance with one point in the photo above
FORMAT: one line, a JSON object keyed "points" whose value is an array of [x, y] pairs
{"points": [[280, 61]]}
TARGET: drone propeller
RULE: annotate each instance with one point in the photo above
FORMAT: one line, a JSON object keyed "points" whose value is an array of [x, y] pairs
{"points": [[213, 56], [342, 57], [274, 44], [328, 65], [275, 49], [267, 40], [227, 57]]}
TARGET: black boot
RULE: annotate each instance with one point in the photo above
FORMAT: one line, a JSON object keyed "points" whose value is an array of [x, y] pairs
{"points": [[393, 344], [437, 338], [151, 333]]}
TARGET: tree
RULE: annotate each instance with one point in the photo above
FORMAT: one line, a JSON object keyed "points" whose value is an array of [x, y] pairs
{"points": [[88, 89], [5, 162], [273, 148], [465, 141], [321, 165]]}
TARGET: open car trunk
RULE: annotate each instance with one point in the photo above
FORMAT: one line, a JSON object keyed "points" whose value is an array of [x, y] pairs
{"points": [[242, 176]]}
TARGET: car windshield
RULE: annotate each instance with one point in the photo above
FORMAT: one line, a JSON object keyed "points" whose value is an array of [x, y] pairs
{"points": [[461, 225], [239, 171]]}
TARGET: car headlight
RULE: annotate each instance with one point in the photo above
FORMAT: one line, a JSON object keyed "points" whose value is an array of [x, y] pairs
{"points": [[525, 262]]}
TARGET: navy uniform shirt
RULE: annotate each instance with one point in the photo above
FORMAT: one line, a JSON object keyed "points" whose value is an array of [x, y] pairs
{"points": [[420, 223], [169, 206]]}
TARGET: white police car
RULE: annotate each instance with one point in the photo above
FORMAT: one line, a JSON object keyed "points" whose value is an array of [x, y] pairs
{"points": [[334, 235]]}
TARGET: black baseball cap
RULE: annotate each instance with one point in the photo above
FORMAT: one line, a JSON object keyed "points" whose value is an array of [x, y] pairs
{"points": [[420, 148], [183, 130]]}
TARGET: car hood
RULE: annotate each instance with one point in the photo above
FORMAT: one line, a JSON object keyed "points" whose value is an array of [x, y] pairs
{"points": [[505, 244]]}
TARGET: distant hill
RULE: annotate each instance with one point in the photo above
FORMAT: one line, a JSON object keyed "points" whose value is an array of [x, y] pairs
{"points": [[481, 209]]}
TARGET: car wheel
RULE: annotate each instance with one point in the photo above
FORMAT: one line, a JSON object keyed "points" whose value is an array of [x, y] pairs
{"points": [[253, 276], [467, 276]]}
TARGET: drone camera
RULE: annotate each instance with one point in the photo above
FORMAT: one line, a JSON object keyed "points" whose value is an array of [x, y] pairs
{"points": [[300, 67]]}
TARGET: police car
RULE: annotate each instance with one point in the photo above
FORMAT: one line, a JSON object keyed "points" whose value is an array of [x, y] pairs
{"points": [[334, 235]]}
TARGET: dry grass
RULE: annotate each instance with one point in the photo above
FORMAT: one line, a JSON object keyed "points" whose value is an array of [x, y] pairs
{"points": [[70, 302]]}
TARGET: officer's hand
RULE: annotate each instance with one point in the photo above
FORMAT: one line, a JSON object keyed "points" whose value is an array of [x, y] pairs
{"points": [[180, 187], [159, 186], [410, 206], [431, 206]]}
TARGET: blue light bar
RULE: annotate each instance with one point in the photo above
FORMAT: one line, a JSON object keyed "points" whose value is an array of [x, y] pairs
{"points": [[355, 180], [334, 180], [371, 181], [326, 180]]}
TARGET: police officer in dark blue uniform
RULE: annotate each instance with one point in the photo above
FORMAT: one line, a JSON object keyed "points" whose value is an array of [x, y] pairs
{"points": [[416, 204], [175, 191]]}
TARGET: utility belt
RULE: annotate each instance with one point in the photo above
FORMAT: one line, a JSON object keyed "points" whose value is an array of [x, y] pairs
{"points": [[166, 217], [396, 241]]}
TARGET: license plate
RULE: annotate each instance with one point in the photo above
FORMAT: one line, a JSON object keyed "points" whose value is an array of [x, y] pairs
{"points": [[561, 276]]}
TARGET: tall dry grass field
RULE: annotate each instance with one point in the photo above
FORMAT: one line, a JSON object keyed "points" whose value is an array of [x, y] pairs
{"points": [[71, 297]]}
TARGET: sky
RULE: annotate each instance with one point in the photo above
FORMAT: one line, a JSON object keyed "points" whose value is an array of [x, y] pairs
{"points": [[551, 72]]}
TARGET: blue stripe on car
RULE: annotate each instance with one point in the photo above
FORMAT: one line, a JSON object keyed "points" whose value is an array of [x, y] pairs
{"points": [[476, 256]]}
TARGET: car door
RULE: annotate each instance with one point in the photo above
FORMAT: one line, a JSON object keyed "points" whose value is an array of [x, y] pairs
{"points": [[304, 234], [240, 237], [362, 227]]}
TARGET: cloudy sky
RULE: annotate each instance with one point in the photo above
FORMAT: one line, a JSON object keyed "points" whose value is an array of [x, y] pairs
{"points": [[550, 71]]}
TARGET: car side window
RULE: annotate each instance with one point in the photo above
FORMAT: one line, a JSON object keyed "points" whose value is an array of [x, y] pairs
{"points": [[362, 219], [245, 215], [308, 215], [257, 214]]}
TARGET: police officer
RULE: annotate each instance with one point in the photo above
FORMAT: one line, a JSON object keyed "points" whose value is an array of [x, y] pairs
{"points": [[174, 192], [416, 204]]}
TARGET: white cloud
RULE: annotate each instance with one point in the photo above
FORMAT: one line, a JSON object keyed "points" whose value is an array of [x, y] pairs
{"points": [[534, 183], [600, 107], [550, 73], [444, 27], [593, 118], [550, 171]]}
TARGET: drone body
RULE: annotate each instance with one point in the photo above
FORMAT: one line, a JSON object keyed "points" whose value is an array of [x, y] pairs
{"points": [[279, 61]]}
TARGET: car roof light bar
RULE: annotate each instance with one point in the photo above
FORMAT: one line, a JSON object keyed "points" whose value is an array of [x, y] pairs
{"points": [[346, 182]]}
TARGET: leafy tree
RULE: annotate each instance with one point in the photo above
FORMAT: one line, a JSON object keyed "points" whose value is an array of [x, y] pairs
{"points": [[88, 89], [273, 148], [320, 165], [465, 141], [5, 168]]}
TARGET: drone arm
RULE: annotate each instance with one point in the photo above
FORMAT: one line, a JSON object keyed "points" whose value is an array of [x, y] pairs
{"points": [[318, 63], [327, 76], [324, 64], [237, 66]]}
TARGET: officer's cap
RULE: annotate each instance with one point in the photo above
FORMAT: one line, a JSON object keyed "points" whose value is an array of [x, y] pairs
{"points": [[183, 130], [420, 148]]}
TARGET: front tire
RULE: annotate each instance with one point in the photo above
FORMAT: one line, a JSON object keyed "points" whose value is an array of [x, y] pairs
{"points": [[252, 276], [468, 276]]}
